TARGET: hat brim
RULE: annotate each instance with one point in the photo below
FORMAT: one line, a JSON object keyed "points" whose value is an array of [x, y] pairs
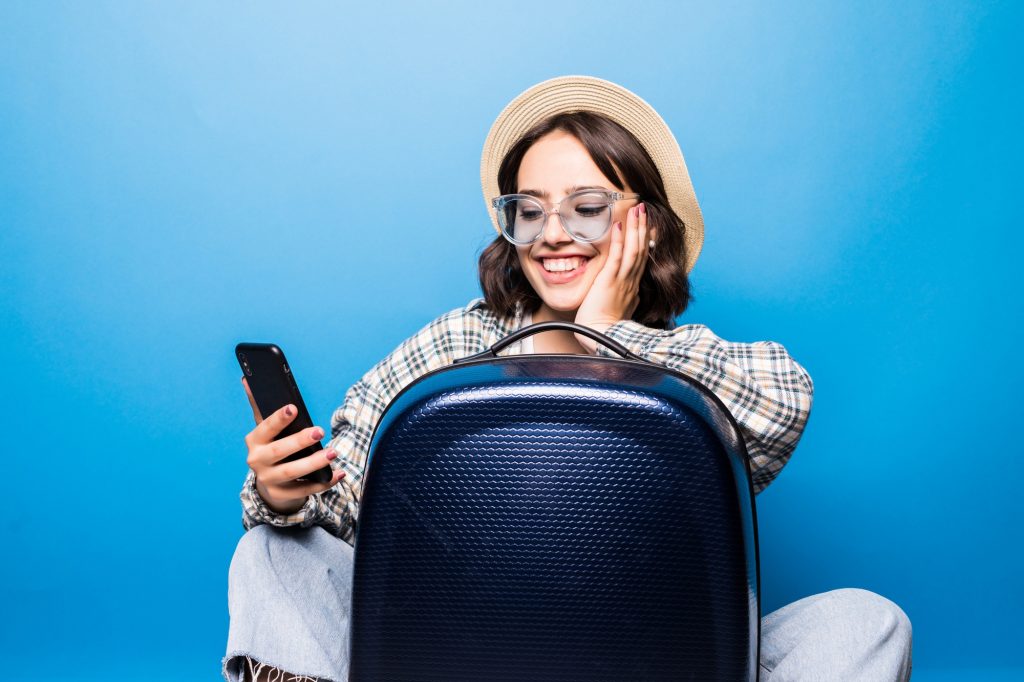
{"points": [[568, 94]]}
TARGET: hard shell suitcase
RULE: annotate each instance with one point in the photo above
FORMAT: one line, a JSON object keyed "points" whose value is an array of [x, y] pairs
{"points": [[556, 517]]}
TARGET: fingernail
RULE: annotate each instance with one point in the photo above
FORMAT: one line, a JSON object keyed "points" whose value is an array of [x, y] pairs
{"points": [[618, 226], [331, 454], [289, 411], [642, 209], [339, 476], [317, 434]]}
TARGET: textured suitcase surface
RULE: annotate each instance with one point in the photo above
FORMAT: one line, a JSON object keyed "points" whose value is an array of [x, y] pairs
{"points": [[555, 518]]}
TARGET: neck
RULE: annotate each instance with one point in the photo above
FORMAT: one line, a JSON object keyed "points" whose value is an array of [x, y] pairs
{"points": [[556, 341]]}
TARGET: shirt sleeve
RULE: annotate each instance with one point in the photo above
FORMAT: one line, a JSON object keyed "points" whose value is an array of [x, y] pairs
{"points": [[766, 391], [453, 335]]}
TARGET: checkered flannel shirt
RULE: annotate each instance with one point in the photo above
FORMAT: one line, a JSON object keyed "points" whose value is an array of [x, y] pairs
{"points": [[765, 390]]}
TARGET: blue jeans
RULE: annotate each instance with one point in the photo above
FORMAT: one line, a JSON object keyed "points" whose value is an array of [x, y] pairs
{"points": [[289, 592]]}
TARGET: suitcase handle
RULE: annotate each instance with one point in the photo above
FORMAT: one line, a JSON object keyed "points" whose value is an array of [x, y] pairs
{"points": [[521, 334]]}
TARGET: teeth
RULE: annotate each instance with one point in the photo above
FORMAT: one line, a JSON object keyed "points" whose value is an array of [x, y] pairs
{"points": [[562, 264]]}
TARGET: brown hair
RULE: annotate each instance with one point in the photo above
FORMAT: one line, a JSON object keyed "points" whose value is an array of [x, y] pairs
{"points": [[664, 286]]}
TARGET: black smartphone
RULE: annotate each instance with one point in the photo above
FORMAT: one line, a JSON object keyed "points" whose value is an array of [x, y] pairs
{"points": [[273, 386]]}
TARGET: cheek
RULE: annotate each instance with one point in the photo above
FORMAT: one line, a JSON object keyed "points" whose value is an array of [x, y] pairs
{"points": [[620, 214], [602, 248], [528, 267], [524, 257]]}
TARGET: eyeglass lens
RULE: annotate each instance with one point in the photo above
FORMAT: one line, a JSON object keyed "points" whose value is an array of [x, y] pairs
{"points": [[585, 216]]}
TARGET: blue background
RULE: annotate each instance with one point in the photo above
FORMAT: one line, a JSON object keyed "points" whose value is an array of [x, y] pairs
{"points": [[178, 177]]}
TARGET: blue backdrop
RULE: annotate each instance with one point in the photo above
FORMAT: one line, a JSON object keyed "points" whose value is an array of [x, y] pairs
{"points": [[177, 177]]}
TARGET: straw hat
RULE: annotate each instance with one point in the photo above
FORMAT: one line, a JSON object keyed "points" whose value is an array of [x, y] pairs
{"points": [[584, 93]]}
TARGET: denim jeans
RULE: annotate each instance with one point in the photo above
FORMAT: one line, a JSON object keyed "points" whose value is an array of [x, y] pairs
{"points": [[289, 592]]}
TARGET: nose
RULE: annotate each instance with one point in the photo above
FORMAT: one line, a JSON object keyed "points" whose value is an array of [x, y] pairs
{"points": [[553, 232]]}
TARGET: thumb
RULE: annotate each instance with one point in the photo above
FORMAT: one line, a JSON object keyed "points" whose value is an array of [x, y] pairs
{"points": [[252, 402]]}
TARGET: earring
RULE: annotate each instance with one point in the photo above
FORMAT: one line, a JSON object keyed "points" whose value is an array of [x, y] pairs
{"points": [[651, 244]]}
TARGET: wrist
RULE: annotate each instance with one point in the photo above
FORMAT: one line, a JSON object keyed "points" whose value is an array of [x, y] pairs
{"points": [[589, 344]]}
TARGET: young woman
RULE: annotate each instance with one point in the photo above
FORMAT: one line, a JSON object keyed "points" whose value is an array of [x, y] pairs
{"points": [[598, 225]]}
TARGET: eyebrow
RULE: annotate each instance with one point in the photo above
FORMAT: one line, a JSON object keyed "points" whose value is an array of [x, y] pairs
{"points": [[541, 194]]}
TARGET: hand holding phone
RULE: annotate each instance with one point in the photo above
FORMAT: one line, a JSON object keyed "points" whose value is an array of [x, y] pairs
{"points": [[284, 448]]}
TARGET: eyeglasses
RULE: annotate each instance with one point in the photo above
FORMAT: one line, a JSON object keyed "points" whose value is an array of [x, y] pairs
{"points": [[585, 215]]}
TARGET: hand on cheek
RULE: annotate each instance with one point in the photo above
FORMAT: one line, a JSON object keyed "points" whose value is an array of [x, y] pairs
{"points": [[615, 293]]}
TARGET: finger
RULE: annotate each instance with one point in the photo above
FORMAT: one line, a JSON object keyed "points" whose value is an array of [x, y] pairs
{"points": [[642, 239], [272, 453], [611, 266], [252, 402], [268, 429], [300, 490], [630, 246], [287, 472]]}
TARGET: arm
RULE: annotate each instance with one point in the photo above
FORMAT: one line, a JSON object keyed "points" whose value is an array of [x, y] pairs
{"points": [[450, 336], [767, 392]]}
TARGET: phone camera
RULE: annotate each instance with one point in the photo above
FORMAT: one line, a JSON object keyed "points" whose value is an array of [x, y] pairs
{"points": [[245, 364]]}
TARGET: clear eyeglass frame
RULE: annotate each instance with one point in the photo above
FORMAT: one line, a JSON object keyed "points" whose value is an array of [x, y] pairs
{"points": [[610, 197]]}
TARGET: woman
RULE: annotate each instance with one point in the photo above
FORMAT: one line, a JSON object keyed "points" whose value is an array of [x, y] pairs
{"points": [[598, 225]]}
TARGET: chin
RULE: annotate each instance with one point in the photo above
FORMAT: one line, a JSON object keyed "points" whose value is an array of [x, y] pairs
{"points": [[562, 304], [567, 302], [565, 298]]}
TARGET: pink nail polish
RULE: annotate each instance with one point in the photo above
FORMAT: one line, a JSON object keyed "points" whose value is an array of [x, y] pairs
{"points": [[642, 209], [331, 454], [317, 434], [618, 226], [289, 411]]}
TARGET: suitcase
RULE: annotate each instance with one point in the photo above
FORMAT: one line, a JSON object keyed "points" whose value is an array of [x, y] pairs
{"points": [[556, 517]]}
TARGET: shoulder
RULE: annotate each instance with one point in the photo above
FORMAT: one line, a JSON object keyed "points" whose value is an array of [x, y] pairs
{"points": [[467, 329], [636, 333], [696, 344], [474, 314]]}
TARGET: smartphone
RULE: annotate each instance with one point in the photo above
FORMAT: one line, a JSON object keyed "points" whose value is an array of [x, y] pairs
{"points": [[273, 386]]}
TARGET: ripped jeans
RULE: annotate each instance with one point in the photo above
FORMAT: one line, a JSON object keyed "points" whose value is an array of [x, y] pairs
{"points": [[289, 591]]}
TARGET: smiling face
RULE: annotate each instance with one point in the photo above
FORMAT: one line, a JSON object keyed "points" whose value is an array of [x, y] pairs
{"points": [[560, 269]]}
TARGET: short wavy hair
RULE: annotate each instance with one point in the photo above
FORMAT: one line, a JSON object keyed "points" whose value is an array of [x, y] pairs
{"points": [[664, 286]]}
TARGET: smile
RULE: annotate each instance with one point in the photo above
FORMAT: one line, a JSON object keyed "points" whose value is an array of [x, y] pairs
{"points": [[562, 264], [563, 269]]}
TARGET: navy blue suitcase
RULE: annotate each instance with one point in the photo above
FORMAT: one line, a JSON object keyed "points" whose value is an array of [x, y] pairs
{"points": [[556, 517]]}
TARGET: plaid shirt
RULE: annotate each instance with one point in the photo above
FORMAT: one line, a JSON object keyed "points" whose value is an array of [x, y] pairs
{"points": [[766, 391]]}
